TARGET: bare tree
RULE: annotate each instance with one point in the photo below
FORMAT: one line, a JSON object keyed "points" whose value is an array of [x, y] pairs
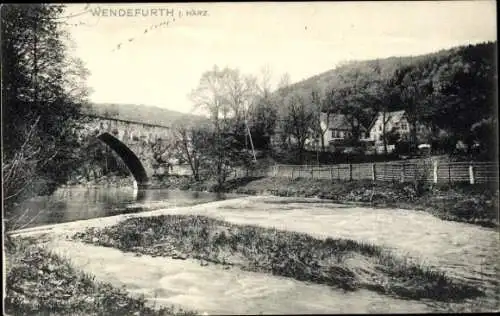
{"points": [[240, 91], [210, 96], [284, 89], [223, 99], [192, 144], [19, 172], [298, 122]]}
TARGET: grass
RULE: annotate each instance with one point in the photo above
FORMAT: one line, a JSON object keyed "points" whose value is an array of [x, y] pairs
{"points": [[340, 263], [474, 204], [42, 283]]}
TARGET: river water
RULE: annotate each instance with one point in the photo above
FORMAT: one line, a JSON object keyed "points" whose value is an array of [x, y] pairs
{"points": [[70, 204], [467, 252]]}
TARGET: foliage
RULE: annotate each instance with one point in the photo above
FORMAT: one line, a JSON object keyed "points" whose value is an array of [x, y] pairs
{"points": [[42, 94], [465, 81], [352, 100], [450, 91], [485, 135]]}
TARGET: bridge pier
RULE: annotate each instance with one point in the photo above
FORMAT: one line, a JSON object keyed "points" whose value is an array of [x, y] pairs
{"points": [[142, 185]]}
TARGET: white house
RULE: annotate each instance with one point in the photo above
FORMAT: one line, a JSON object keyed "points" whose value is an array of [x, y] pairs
{"points": [[395, 122], [338, 129]]}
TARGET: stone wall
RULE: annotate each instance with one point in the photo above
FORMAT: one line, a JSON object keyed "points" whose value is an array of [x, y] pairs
{"points": [[139, 137]]}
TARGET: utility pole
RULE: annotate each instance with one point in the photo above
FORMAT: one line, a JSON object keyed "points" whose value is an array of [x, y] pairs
{"points": [[249, 136], [319, 129], [251, 142]]}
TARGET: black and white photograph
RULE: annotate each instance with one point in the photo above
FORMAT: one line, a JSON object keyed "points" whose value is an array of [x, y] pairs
{"points": [[250, 158]]}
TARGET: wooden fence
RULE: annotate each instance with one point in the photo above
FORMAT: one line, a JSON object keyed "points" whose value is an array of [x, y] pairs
{"points": [[426, 170], [408, 170]]}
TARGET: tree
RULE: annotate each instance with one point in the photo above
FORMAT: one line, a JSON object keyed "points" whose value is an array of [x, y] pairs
{"points": [[283, 91], [485, 135], [240, 94], [353, 101], [465, 85], [298, 121], [383, 97], [220, 95], [163, 150], [42, 94], [192, 145], [415, 93], [262, 114], [322, 114]]}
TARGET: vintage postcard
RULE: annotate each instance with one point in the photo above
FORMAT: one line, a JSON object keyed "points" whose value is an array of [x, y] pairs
{"points": [[250, 158]]}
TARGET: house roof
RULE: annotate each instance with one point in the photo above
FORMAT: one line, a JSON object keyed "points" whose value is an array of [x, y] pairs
{"points": [[339, 121], [394, 115]]}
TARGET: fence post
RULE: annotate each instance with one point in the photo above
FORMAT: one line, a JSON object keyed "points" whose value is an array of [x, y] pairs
{"points": [[374, 172], [350, 172], [292, 173], [471, 174], [403, 173], [435, 171], [449, 173], [331, 173]]}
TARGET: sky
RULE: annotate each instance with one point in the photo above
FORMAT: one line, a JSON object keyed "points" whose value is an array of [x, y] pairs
{"points": [[136, 57]]}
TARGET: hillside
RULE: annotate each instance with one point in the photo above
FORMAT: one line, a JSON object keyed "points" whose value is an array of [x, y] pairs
{"points": [[452, 89], [142, 113], [333, 78]]}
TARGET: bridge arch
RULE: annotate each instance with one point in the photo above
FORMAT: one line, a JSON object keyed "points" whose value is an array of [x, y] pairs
{"points": [[128, 156]]}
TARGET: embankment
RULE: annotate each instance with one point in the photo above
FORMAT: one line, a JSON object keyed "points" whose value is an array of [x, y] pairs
{"points": [[474, 204]]}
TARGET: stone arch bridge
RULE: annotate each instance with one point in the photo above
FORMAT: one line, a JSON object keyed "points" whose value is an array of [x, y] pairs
{"points": [[132, 141]]}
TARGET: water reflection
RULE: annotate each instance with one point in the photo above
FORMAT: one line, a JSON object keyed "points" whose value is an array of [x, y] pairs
{"points": [[71, 204]]}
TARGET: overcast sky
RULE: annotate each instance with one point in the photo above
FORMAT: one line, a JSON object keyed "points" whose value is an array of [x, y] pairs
{"points": [[161, 66]]}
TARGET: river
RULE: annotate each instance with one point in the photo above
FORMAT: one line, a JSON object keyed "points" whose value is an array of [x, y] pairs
{"points": [[70, 204], [467, 252]]}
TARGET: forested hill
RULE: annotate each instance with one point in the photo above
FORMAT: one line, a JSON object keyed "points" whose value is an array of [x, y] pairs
{"points": [[454, 89], [142, 114], [484, 53]]}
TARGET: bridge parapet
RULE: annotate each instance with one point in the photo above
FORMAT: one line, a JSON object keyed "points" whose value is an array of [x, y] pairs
{"points": [[129, 139]]}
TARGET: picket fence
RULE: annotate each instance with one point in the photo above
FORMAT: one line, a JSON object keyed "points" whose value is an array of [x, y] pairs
{"points": [[405, 170], [425, 170]]}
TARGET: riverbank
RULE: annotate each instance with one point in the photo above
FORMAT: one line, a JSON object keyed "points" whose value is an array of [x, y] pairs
{"points": [[40, 282], [473, 204], [113, 180]]}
